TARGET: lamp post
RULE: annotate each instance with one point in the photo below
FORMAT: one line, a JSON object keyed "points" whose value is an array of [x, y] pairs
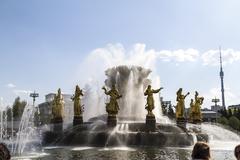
{"points": [[34, 95], [215, 100]]}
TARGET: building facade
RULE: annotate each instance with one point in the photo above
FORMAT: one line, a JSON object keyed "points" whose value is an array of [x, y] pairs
{"points": [[237, 106], [45, 109]]}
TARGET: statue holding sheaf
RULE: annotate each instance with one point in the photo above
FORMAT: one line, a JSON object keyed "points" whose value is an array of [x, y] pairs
{"points": [[78, 108], [58, 105], [112, 107]]}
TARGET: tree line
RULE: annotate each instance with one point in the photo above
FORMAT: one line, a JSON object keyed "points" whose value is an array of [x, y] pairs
{"points": [[15, 112], [230, 117]]}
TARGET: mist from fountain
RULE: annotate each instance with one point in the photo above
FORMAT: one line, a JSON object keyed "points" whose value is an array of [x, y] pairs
{"points": [[220, 137], [113, 135], [1, 126], [131, 82], [218, 133], [119, 135], [27, 132]]}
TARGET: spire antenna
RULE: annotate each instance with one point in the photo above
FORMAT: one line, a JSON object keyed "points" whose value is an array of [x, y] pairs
{"points": [[221, 77]]}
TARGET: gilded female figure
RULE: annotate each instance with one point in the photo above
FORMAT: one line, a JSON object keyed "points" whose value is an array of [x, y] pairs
{"points": [[150, 101], [180, 104], [78, 108], [112, 107], [57, 108]]}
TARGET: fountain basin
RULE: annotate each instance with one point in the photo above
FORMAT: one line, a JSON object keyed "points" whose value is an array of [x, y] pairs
{"points": [[129, 134]]}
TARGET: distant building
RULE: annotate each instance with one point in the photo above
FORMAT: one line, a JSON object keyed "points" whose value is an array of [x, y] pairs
{"points": [[216, 108], [234, 106], [45, 109], [209, 115]]}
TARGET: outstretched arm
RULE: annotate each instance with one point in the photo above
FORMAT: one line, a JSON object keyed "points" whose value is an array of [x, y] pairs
{"points": [[119, 96], [157, 90], [186, 95], [81, 93], [201, 100], [105, 90]]}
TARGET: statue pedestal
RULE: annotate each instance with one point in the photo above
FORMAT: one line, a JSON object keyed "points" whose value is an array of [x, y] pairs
{"points": [[57, 124], [112, 120], [150, 123], [181, 122], [77, 120]]}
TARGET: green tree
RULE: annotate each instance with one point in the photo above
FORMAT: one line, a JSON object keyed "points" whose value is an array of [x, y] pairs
{"points": [[234, 123], [9, 113], [223, 120], [230, 114], [18, 108], [224, 112], [235, 112], [238, 113]]}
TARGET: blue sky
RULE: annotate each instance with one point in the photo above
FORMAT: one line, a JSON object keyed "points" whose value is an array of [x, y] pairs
{"points": [[47, 44]]}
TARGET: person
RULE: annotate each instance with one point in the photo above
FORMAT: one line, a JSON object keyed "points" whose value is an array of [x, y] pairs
{"points": [[4, 152], [237, 152], [201, 151]]}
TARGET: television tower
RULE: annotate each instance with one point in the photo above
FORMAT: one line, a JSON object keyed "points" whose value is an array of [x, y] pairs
{"points": [[221, 77]]}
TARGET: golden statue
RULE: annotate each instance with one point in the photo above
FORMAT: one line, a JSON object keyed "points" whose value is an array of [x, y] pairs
{"points": [[150, 101], [57, 105], [78, 108], [192, 105], [112, 107], [180, 104], [197, 115]]}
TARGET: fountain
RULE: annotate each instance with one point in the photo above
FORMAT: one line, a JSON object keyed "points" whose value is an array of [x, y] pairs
{"points": [[27, 133], [26, 137], [129, 120]]}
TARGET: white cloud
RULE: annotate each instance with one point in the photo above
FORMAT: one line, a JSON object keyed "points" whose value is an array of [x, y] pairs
{"points": [[115, 54], [10, 85], [211, 57], [179, 55], [138, 54], [22, 92]]}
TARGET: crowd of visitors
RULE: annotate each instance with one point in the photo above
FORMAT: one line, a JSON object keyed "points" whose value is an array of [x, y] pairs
{"points": [[201, 151]]}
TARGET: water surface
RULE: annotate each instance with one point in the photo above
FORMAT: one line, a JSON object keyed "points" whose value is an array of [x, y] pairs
{"points": [[122, 153]]}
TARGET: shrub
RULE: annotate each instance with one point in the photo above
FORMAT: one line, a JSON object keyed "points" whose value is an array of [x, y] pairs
{"points": [[234, 123]]}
